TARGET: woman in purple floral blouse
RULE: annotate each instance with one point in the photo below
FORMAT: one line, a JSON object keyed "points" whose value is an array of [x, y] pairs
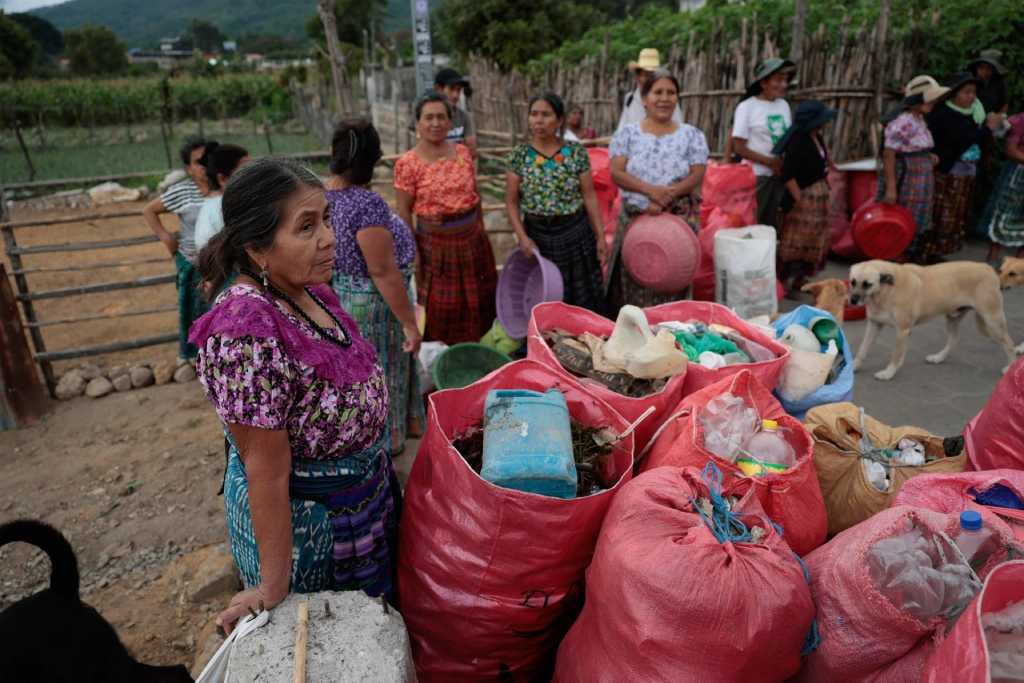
{"points": [[311, 495]]}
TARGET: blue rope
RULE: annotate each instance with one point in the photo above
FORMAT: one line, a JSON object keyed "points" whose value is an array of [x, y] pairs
{"points": [[813, 639], [724, 524]]}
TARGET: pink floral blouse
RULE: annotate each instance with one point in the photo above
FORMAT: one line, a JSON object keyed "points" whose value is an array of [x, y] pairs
{"points": [[253, 381], [908, 133]]}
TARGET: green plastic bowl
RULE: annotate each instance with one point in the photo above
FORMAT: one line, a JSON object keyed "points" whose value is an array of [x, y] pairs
{"points": [[462, 364]]}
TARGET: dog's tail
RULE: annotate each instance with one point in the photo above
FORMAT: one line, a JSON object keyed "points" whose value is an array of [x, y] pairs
{"points": [[63, 565], [982, 327]]}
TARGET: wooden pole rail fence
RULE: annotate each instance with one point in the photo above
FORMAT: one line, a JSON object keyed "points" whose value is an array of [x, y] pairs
{"points": [[88, 266], [68, 219], [83, 246], [151, 281], [114, 347], [100, 316]]}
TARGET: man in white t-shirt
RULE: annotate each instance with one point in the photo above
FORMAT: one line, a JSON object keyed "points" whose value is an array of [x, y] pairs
{"points": [[633, 110], [760, 121]]}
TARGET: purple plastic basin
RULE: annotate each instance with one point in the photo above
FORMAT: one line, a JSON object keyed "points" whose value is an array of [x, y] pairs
{"points": [[525, 282]]}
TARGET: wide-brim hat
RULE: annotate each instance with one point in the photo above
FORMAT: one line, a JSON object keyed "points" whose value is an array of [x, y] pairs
{"points": [[766, 68], [960, 79], [810, 115], [990, 57], [920, 90], [649, 60]]}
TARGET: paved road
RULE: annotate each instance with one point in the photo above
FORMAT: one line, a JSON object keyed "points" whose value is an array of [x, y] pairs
{"points": [[939, 398]]}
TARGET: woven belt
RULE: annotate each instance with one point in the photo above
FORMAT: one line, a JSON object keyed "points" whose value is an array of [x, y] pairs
{"points": [[447, 222]]}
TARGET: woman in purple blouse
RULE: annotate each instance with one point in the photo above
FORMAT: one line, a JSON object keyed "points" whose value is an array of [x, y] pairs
{"points": [[374, 277], [312, 498]]}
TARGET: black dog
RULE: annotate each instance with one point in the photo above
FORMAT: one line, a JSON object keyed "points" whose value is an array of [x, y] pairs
{"points": [[54, 637]]}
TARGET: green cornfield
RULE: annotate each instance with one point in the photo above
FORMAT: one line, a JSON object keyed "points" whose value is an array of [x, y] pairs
{"points": [[113, 101]]}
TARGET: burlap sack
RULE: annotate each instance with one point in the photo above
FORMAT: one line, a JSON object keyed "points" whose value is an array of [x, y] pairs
{"points": [[849, 496]]}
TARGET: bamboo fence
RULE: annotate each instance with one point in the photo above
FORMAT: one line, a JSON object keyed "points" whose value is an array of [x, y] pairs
{"points": [[853, 70]]}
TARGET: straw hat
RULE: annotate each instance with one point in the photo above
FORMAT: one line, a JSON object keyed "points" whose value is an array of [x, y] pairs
{"points": [[649, 60], [766, 68], [925, 86]]}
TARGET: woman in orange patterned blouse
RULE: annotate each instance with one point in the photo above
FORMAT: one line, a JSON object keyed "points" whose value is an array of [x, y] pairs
{"points": [[456, 275]]}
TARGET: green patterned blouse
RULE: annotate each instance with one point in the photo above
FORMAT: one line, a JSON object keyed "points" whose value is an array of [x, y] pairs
{"points": [[549, 186]]}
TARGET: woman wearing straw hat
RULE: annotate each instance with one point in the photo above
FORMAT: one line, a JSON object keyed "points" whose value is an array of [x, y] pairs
{"points": [[804, 240], [633, 110], [759, 123], [657, 163], [959, 127], [907, 176]]}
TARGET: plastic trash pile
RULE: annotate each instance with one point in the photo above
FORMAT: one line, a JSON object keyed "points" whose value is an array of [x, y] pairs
{"points": [[815, 358], [908, 453], [734, 432], [1004, 635]]}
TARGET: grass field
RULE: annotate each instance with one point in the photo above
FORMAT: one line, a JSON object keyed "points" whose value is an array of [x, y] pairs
{"points": [[71, 153]]}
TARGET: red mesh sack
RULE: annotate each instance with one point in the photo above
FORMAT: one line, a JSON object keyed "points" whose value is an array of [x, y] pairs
{"points": [[839, 208], [715, 220], [668, 601], [993, 439], [996, 493], [575, 320], [792, 499], [864, 637], [492, 578], [731, 188], [963, 655]]}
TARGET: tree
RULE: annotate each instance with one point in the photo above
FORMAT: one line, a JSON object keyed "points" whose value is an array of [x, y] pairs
{"points": [[201, 35], [352, 18], [268, 44], [339, 76], [512, 32], [43, 32], [94, 51], [18, 51]]}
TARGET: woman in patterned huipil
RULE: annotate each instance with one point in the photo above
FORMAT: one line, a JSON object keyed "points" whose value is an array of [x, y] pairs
{"points": [[312, 498], [435, 181], [373, 275], [658, 163], [552, 206]]}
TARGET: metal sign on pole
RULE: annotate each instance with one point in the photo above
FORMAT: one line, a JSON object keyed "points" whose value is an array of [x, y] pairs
{"points": [[421, 40]]}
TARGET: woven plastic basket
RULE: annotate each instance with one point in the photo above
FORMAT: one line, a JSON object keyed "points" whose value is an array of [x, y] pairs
{"points": [[462, 364]]}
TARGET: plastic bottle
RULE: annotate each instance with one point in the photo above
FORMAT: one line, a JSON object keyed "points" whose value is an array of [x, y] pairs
{"points": [[974, 540], [766, 450]]}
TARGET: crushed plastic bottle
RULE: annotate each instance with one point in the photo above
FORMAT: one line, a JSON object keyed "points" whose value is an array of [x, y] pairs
{"points": [[766, 450], [917, 579], [1004, 633], [909, 452], [727, 422], [975, 541]]}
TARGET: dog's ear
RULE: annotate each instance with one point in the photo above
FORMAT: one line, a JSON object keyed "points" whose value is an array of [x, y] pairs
{"points": [[886, 279], [814, 287]]}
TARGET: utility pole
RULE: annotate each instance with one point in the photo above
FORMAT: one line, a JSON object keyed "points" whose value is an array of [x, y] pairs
{"points": [[421, 39]]}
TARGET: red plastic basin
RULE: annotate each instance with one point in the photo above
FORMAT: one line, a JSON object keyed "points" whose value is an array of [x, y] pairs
{"points": [[882, 231]]}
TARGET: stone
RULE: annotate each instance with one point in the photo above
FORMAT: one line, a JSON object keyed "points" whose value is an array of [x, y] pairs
{"points": [[122, 383], [99, 387], [71, 385], [111, 192], [91, 372], [141, 376], [163, 372], [116, 371], [185, 373], [172, 178], [217, 575], [358, 642], [191, 402], [185, 644]]}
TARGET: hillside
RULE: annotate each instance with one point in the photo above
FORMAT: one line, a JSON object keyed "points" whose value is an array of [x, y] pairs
{"points": [[142, 23]]}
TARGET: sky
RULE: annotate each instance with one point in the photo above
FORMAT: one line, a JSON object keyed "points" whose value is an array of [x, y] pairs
{"points": [[14, 6]]}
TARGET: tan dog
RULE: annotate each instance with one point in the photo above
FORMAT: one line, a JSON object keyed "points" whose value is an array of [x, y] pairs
{"points": [[1011, 273], [907, 295], [830, 296]]}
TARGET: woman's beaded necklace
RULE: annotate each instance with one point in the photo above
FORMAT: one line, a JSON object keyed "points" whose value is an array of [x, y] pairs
{"points": [[343, 340]]}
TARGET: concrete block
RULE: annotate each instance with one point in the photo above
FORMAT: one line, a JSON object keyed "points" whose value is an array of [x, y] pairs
{"points": [[357, 643]]}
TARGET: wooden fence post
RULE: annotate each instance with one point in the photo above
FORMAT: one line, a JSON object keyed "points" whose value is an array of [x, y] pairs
{"points": [[266, 128], [24, 148], [199, 118], [10, 246], [39, 128], [22, 401], [796, 50], [167, 146], [883, 31]]}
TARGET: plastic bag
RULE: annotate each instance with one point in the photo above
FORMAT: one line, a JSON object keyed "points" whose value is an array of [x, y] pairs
{"points": [[864, 637], [995, 435], [732, 189], [429, 351], [792, 499], [993, 623], [667, 600], [216, 670], [491, 578], [727, 423], [745, 270], [839, 454], [841, 389]]}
